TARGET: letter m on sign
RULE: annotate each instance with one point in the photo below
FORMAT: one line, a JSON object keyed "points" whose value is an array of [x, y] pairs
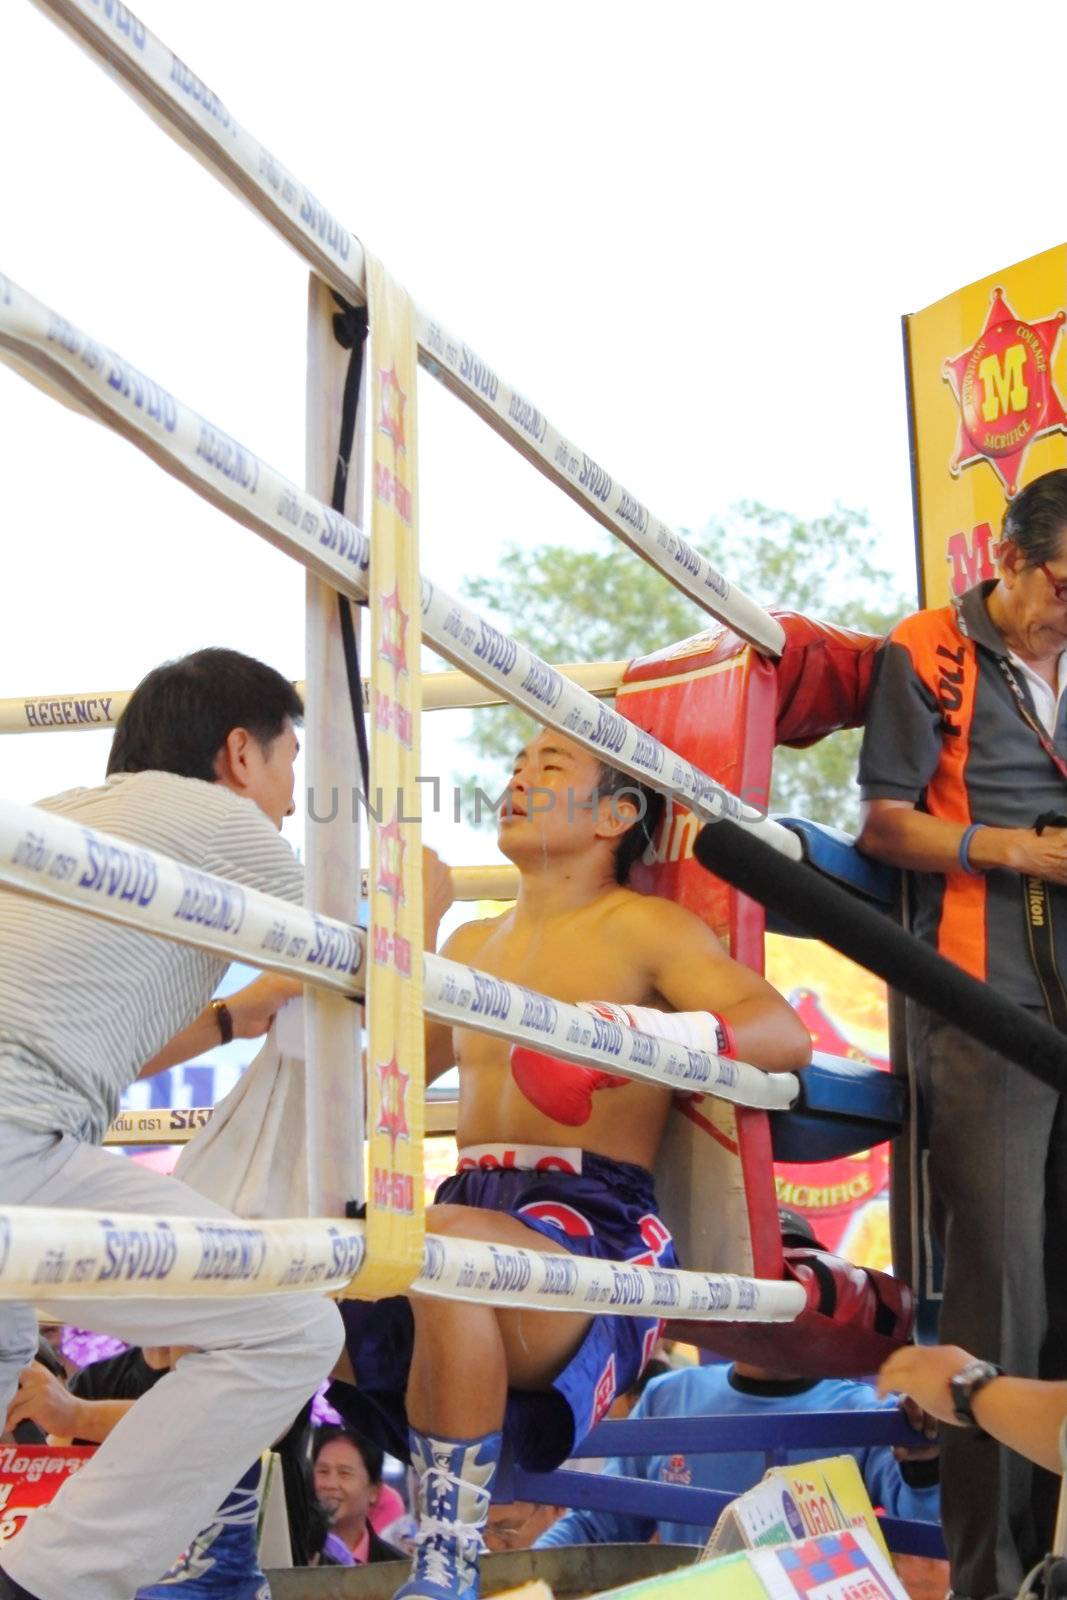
{"points": [[1003, 386], [971, 557]]}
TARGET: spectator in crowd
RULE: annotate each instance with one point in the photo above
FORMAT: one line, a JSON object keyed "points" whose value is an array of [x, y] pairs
{"points": [[903, 1482], [517, 1524], [346, 1475]]}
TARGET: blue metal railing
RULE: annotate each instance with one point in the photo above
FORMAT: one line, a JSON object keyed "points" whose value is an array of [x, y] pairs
{"points": [[776, 1436]]}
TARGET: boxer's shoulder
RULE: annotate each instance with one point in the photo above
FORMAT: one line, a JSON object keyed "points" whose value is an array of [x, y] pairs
{"points": [[650, 916], [464, 942]]}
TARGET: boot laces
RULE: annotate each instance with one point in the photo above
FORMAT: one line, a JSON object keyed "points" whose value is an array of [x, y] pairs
{"points": [[447, 1549]]}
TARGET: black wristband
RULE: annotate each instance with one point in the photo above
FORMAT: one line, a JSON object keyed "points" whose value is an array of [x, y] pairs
{"points": [[224, 1020]]}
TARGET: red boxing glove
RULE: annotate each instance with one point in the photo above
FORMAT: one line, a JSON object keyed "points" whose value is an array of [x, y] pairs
{"points": [[560, 1089], [565, 1092]]}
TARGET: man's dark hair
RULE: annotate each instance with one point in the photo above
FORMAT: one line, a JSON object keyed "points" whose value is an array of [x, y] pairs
{"points": [[373, 1455], [180, 715], [615, 785], [1037, 518]]}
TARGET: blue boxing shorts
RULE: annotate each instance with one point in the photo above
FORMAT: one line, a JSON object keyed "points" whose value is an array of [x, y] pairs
{"points": [[595, 1207]]}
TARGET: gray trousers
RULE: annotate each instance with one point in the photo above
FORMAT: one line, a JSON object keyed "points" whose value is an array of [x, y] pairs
{"points": [[157, 1479], [998, 1191]]}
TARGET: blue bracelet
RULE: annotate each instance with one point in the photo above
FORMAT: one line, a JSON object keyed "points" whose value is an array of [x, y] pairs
{"points": [[964, 853]]}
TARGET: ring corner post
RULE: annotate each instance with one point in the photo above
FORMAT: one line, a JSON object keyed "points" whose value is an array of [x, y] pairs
{"points": [[396, 1077], [334, 1088]]}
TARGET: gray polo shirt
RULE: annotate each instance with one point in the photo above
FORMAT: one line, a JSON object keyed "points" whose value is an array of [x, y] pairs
{"points": [[944, 732]]}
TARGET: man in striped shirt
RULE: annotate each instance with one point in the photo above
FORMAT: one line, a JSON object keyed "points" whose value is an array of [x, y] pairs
{"points": [[201, 770]]}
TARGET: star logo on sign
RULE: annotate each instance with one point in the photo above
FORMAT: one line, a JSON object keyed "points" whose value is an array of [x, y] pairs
{"points": [[391, 847], [1004, 389], [393, 402], [393, 646], [393, 1092]]}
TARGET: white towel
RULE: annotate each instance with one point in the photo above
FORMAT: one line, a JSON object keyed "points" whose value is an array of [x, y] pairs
{"points": [[252, 1156]]}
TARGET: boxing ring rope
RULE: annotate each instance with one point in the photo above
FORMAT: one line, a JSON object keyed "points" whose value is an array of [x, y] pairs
{"points": [[50, 857], [51, 352], [178, 1124], [57, 859], [177, 1257], [193, 115], [440, 691]]}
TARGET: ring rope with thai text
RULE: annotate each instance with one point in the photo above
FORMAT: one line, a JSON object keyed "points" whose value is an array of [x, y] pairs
{"points": [[57, 859], [47, 347], [183, 105]]}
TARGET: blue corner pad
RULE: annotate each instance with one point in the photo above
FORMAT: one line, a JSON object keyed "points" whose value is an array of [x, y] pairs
{"points": [[834, 854], [844, 1107]]}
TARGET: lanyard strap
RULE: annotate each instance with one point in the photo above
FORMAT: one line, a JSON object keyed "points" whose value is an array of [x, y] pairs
{"points": [[1037, 902], [1028, 717]]}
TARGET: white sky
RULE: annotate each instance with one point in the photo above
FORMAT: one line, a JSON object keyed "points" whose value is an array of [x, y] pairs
{"points": [[686, 232]]}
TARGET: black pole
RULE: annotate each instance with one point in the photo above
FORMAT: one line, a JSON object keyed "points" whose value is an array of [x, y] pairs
{"points": [[827, 912]]}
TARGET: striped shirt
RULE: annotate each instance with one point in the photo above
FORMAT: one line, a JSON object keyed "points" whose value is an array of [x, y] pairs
{"points": [[84, 1003]]}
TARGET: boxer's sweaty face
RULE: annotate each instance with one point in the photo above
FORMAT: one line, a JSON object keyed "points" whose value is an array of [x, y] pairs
{"points": [[548, 807]]}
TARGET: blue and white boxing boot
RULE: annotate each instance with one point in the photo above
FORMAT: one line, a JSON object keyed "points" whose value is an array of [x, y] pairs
{"points": [[222, 1562], [455, 1488]]}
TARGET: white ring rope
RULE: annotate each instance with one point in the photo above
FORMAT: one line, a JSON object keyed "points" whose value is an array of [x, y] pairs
{"points": [[468, 998], [46, 346], [55, 858], [52, 1254], [58, 859], [177, 99], [441, 691]]}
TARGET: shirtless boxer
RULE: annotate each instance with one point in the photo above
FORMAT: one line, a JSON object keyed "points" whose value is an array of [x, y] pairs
{"points": [[441, 1379]]}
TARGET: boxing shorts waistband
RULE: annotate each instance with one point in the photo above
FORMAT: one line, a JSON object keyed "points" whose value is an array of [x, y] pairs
{"points": [[524, 1157]]}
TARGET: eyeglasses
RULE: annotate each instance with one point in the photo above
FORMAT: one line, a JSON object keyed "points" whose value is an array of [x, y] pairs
{"points": [[1057, 585]]}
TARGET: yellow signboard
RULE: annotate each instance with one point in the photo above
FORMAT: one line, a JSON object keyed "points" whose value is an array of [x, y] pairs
{"points": [[729, 1578], [831, 1566], [800, 1501], [987, 381]]}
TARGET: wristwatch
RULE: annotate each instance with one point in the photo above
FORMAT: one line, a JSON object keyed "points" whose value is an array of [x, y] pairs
{"points": [[966, 1384], [224, 1019]]}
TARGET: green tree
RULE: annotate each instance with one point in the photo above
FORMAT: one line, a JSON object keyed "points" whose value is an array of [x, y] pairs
{"points": [[571, 605]]}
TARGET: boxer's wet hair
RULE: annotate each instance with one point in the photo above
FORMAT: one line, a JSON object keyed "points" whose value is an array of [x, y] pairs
{"points": [[1036, 520], [179, 716], [615, 785]]}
